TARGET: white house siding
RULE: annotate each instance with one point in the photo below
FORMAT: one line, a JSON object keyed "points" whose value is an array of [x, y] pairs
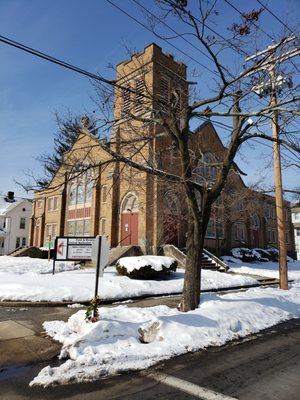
{"points": [[296, 224], [10, 225]]}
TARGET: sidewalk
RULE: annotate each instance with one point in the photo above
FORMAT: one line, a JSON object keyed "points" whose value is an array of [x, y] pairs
{"points": [[21, 324], [21, 337]]}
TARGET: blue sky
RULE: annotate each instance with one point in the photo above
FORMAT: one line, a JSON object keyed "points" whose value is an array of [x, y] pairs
{"points": [[89, 34]]}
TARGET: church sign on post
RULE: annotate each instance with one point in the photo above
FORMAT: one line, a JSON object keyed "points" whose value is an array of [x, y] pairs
{"points": [[70, 248]]}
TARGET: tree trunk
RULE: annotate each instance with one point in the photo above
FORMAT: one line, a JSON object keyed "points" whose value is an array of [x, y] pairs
{"points": [[192, 278], [197, 227]]}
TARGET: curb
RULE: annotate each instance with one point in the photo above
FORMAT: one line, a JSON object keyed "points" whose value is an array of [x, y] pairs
{"points": [[12, 303]]}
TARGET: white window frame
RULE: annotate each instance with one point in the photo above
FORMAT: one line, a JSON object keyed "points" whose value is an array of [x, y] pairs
{"points": [[52, 203]]}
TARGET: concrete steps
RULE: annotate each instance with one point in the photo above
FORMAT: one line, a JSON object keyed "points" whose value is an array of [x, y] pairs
{"points": [[123, 251], [208, 263], [208, 260], [19, 252]]}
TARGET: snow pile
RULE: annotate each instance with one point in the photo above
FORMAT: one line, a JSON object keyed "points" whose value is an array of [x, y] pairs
{"points": [[258, 254], [155, 262], [229, 259], [25, 265], [112, 345], [146, 267], [243, 253]]}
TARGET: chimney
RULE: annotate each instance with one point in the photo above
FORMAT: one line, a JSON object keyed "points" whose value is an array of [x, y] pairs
{"points": [[10, 198]]}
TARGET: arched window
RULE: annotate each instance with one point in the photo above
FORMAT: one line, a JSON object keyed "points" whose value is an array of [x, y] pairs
{"points": [[130, 203], [80, 195], [171, 203], [80, 190], [255, 221], [240, 232], [206, 169]]}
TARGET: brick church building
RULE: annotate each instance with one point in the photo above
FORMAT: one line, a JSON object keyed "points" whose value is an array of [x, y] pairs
{"points": [[136, 208]]}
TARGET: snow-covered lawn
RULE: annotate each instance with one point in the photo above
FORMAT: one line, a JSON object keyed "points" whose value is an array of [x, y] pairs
{"points": [[269, 269], [112, 344], [31, 279]]}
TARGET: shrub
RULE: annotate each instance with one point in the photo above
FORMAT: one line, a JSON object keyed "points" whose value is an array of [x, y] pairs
{"points": [[146, 267]]}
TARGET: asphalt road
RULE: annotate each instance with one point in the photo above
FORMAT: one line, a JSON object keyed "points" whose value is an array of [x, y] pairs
{"points": [[265, 366]]}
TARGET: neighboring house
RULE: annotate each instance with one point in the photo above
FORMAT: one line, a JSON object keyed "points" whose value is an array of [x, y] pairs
{"points": [[134, 208], [15, 215], [296, 224]]}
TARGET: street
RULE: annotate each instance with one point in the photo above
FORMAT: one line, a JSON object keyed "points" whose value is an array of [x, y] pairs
{"points": [[263, 366]]}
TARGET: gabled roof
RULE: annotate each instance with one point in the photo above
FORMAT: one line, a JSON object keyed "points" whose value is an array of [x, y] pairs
{"points": [[200, 128], [83, 132], [6, 206]]}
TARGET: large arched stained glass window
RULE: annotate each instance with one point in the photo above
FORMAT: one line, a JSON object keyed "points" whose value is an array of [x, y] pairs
{"points": [[80, 196]]}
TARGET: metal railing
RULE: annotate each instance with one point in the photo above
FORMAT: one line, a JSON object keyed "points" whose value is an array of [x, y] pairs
{"points": [[122, 240], [218, 261]]}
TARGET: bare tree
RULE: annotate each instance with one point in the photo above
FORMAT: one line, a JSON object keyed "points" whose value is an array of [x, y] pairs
{"points": [[148, 118]]}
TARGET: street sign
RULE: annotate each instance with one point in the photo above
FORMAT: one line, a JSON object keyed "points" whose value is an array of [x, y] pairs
{"points": [[49, 245], [70, 248]]}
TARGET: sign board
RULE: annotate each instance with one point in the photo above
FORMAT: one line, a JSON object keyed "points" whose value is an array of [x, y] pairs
{"points": [[100, 251], [49, 245], [73, 248], [70, 248]]}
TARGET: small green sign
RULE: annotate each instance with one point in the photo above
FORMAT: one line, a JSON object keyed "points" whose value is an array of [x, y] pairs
{"points": [[49, 245]]}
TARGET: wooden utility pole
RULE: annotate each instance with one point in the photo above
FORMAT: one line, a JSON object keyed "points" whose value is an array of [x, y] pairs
{"points": [[283, 272], [270, 88]]}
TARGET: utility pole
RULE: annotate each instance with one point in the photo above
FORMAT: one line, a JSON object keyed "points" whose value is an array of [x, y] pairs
{"points": [[271, 88], [283, 270]]}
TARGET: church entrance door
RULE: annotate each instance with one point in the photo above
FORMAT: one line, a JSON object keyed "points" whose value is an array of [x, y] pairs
{"points": [[130, 220]]}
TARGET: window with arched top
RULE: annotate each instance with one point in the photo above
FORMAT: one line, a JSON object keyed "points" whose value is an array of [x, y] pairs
{"points": [[240, 232], [80, 189], [206, 168], [80, 195], [255, 221], [171, 203], [130, 203]]}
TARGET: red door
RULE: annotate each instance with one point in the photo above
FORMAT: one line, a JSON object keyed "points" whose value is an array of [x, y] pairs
{"points": [[129, 229]]}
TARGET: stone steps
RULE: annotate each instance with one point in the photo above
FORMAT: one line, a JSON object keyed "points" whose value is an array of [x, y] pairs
{"points": [[206, 261], [123, 251]]}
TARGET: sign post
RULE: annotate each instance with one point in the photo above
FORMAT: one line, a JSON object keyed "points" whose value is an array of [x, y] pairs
{"points": [[100, 250]]}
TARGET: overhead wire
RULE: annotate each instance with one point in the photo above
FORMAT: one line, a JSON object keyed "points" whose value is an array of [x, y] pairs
{"points": [[256, 25], [164, 39]]}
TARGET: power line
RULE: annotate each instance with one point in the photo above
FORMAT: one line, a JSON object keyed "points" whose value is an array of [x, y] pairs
{"points": [[69, 66], [197, 19], [282, 23], [171, 29], [257, 26], [275, 16], [164, 39], [54, 60]]}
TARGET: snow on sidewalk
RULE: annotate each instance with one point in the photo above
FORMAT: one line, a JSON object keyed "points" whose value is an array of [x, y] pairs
{"points": [[111, 345], [269, 269], [31, 279]]}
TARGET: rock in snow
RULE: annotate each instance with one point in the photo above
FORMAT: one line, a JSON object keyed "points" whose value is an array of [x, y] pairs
{"points": [[149, 331]]}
